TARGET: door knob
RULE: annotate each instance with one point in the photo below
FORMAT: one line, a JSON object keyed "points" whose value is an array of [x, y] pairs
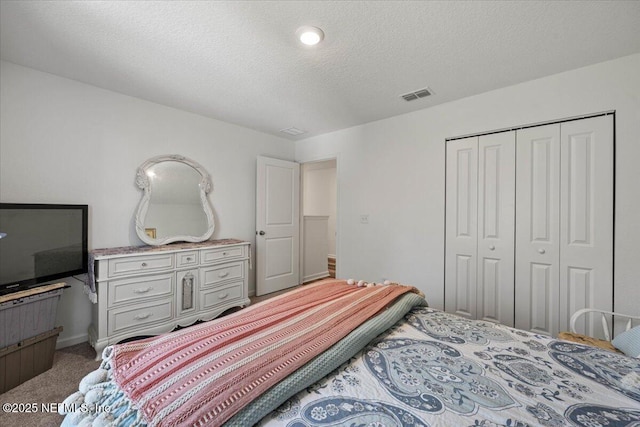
{"points": [[262, 233], [541, 251]]}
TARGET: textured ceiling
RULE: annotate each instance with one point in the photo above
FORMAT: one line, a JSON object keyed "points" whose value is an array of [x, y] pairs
{"points": [[240, 62]]}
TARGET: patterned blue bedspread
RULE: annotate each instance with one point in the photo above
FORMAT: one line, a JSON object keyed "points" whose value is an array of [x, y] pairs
{"points": [[437, 369]]}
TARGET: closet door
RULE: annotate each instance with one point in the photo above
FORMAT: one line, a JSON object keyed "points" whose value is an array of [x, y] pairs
{"points": [[586, 218], [461, 227], [537, 229], [496, 212], [479, 233], [564, 223]]}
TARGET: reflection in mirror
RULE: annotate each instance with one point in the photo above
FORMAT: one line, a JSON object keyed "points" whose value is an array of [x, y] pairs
{"points": [[174, 206]]}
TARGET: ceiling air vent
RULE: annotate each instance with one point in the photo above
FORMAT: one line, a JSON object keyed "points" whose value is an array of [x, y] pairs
{"points": [[411, 96], [293, 131]]}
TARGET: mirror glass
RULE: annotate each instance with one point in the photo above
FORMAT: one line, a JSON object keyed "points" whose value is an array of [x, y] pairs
{"points": [[174, 206]]}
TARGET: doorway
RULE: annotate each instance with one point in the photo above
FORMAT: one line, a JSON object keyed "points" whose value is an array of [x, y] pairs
{"points": [[319, 200], [285, 196]]}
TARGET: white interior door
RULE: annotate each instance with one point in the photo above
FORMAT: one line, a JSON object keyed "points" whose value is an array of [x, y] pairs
{"points": [[496, 216], [461, 227], [277, 224], [537, 228], [586, 219]]}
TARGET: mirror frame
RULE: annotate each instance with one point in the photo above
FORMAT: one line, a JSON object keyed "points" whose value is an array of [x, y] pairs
{"points": [[143, 183]]}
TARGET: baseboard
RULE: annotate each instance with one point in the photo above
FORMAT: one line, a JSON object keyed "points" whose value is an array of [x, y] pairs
{"points": [[316, 276], [69, 341]]}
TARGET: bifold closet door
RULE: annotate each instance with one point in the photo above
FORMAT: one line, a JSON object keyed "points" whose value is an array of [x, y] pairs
{"points": [[537, 228], [480, 227], [564, 223], [461, 229], [586, 219], [496, 234]]}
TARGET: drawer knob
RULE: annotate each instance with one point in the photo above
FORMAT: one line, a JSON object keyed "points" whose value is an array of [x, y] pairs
{"points": [[223, 296], [541, 251], [492, 248], [189, 258], [224, 253], [225, 274], [142, 316], [143, 290], [144, 264]]}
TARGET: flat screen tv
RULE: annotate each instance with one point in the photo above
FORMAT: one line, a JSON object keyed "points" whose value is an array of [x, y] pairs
{"points": [[40, 243]]}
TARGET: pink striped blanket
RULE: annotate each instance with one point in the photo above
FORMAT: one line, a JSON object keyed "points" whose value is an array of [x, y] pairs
{"points": [[205, 374]]}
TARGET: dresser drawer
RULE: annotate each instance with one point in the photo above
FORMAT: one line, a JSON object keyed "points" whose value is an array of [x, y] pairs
{"points": [[210, 256], [212, 276], [140, 264], [140, 288], [138, 315], [186, 259], [227, 293]]}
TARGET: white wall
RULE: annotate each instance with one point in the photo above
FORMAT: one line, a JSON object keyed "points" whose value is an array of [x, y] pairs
{"points": [[66, 142], [393, 170]]}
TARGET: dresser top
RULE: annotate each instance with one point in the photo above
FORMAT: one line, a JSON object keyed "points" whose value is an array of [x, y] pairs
{"points": [[178, 246]]}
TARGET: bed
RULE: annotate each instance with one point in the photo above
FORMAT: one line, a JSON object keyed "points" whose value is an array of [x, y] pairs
{"points": [[380, 357]]}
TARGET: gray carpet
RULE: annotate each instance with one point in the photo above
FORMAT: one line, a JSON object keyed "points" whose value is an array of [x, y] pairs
{"points": [[70, 365]]}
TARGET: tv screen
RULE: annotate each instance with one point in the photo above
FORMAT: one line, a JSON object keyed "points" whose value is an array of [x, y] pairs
{"points": [[40, 243]]}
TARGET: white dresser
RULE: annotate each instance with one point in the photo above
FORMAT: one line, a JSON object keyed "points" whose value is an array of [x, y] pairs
{"points": [[150, 290]]}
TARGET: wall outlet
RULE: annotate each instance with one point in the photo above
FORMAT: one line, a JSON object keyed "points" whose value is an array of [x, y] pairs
{"points": [[364, 219]]}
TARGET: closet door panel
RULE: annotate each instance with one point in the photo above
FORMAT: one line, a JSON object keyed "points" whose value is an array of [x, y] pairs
{"points": [[463, 292], [496, 211], [461, 227], [579, 291], [586, 218], [541, 290], [537, 228]]}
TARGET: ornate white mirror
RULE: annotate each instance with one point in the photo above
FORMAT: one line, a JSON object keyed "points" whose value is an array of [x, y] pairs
{"points": [[174, 206]]}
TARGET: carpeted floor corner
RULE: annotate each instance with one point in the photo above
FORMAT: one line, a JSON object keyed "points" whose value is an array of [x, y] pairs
{"points": [[70, 365]]}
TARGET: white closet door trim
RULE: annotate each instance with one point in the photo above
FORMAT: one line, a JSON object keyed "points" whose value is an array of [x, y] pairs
{"points": [[531, 125]]}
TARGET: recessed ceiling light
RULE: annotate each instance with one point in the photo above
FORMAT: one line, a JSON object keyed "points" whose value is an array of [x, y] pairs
{"points": [[310, 35]]}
